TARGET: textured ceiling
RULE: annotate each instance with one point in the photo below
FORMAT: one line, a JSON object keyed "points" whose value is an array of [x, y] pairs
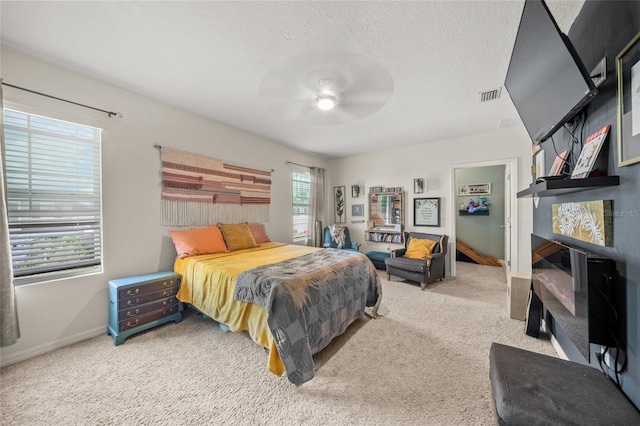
{"points": [[406, 72]]}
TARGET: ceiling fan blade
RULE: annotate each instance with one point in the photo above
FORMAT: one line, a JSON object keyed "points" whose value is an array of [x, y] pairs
{"points": [[361, 86]]}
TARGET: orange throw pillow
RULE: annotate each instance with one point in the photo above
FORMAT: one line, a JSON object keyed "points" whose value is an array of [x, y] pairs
{"points": [[197, 241], [420, 249], [259, 233]]}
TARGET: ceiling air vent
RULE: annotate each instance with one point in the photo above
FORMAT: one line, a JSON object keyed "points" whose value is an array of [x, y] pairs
{"points": [[490, 95]]}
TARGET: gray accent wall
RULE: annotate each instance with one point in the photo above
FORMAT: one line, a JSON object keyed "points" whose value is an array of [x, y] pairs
{"points": [[603, 29]]}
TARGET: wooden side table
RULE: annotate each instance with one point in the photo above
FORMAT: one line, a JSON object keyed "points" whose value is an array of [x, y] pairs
{"points": [[142, 302]]}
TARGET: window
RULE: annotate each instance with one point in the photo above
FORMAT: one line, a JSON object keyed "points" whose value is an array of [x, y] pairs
{"points": [[54, 197], [301, 197]]}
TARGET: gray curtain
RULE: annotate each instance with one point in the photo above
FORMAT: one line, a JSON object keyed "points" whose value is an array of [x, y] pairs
{"points": [[9, 329], [316, 206]]}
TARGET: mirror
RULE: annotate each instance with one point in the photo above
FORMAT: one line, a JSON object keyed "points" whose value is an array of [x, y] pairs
{"points": [[386, 210]]}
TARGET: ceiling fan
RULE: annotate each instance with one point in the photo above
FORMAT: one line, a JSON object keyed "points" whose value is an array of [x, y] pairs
{"points": [[326, 88]]}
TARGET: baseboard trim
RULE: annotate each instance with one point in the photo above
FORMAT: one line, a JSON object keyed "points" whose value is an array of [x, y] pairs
{"points": [[48, 347]]}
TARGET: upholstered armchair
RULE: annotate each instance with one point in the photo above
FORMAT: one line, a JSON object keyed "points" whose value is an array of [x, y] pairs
{"points": [[339, 237], [426, 270]]}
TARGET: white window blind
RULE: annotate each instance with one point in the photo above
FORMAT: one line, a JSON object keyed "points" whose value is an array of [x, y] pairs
{"points": [[54, 196], [301, 197]]}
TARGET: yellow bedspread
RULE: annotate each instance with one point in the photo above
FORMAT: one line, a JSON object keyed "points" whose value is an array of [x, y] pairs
{"points": [[208, 283]]}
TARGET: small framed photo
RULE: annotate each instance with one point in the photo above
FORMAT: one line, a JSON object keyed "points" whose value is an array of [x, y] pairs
{"points": [[355, 191], [426, 212], [628, 72], [538, 165], [357, 210], [418, 186]]}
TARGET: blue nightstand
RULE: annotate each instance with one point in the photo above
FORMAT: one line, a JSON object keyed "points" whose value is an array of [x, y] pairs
{"points": [[141, 302]]}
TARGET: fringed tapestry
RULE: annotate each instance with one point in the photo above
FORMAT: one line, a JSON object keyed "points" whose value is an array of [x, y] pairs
{"points": [[199, 190]]}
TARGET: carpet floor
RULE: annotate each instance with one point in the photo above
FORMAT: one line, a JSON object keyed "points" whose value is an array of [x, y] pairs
{"points": [[424, 362]]}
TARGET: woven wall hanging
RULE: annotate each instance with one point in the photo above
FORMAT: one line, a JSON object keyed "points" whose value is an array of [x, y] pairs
{"points": [[199, 191]]}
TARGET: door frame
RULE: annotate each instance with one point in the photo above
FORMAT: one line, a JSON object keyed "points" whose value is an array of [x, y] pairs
{"points": [[511, 192]]}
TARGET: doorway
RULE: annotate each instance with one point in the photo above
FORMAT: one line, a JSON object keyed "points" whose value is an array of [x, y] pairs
{"points": [[508, 202]]}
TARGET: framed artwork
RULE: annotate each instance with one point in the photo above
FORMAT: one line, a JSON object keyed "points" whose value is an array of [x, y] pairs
{"points": [[376, 189], [426, 212], [355, 191], [474, 189], [588, 221], [628, 72], [589, 153], [418, 186], [338, 204], [538, 165], [357, 210], [558, 166]]}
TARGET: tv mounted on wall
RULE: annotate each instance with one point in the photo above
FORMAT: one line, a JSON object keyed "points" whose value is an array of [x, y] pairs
{"points": [[574, 286], [546, 79]]}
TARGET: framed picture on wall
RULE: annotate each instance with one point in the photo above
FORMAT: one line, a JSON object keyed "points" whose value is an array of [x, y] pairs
{"points": [[357, 210], [338, 204], [628, 72], [474, 189], [426, 212]]}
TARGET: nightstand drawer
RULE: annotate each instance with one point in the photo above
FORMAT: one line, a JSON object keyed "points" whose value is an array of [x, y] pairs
{"points": [[148, 317], [146, 297], [133, 312], [142, 288]]}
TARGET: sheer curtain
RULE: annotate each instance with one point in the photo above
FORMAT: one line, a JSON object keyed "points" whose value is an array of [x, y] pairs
{"points": [[9, 330], [316, 205]]}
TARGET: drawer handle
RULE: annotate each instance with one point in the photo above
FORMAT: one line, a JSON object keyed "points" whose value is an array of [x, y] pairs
{"points": [[132, 302], [167, 311], [130, 324], [167, 292], [130, 292], [167, 283], [165, 303], [133, 313]]}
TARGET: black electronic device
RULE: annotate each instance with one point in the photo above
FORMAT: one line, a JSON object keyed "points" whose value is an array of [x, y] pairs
{"points": [[575, 287], [546, 78]]}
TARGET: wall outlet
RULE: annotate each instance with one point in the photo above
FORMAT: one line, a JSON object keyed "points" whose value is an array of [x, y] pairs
{"points": [[610, 358]]}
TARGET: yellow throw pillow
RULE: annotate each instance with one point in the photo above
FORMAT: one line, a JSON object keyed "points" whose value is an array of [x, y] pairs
{"points": [[420, 249], [197, 241], [237, 236]]}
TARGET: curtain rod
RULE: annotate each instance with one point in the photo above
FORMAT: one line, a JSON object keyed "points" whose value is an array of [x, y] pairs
{"points": [[109, 113], [160, 147], [301, 165]]}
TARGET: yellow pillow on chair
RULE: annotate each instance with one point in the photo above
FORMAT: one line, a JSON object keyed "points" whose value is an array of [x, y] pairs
{"points": [[420, 249]]}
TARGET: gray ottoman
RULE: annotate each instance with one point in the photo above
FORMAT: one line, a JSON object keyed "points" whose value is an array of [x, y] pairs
{"points": [[533, 389]]}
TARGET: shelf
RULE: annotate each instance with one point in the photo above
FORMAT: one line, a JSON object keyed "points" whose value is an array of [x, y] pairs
{"points": [[476, 213], [551, 188], [390, 236]]}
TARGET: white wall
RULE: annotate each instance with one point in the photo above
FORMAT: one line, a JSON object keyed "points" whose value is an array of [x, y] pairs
{"points": [[57, 313], [432, 161]]}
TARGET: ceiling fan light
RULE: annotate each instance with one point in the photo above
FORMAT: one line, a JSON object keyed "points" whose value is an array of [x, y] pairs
{"points": [[326, 101]]}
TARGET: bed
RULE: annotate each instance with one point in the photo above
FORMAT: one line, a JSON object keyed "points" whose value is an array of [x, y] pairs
{"points": [[292, 300]]}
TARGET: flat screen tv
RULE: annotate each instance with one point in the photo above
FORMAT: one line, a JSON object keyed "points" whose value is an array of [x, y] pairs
{"points": [[574, 286], [546, 79]]}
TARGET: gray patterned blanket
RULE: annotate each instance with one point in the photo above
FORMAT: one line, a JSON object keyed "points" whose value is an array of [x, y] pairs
{"points": [[310, 300]]}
